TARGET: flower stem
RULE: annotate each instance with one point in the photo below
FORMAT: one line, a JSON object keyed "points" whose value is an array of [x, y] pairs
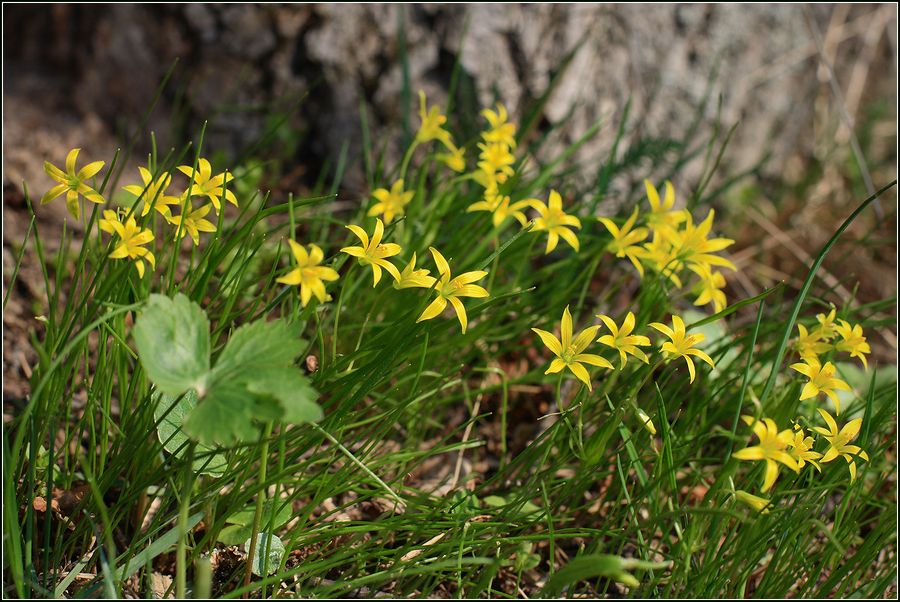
{"points": [[257, 515], [184, 509], [526, 260], [406, 158], [559, 402], [496, 244], [337, 312]]}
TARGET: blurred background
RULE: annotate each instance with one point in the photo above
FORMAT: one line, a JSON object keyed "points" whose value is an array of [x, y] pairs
{"points": [[811, 89]]}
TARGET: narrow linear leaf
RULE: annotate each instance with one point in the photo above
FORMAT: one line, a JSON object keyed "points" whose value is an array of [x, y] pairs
{"points": [[596, 565], [132, 565]]}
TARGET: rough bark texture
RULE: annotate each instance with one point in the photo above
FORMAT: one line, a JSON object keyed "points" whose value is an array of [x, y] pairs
{"points": [[82, 75], [78, 74]]}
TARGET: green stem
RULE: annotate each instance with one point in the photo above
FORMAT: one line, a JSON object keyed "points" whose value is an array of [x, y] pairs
{"points": [[362, 331], [559, 403], [406, 158], [526, 259], [184, 510], [337, 312], [257, 514], [496, 245]]}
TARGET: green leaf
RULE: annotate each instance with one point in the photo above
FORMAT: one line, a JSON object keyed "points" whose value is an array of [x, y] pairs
{"points": [[245, 517], [233, 535], [263, 565], [259, 345], [292, 391], [169, 428], [254, 379], [526, 510], [242, 522], [223, 417], [172, 338], [525, 558]]}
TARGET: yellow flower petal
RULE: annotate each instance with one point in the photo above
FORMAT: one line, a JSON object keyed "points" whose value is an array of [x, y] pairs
{"points": [[460, 312], [433, 310], [581, 373], [550, 341]]}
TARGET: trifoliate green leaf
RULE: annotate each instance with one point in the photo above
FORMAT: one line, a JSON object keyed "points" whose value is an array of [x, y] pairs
{"points": [[223, 417], [254, 379], [172, 338], [291, 389], [259, 345]]}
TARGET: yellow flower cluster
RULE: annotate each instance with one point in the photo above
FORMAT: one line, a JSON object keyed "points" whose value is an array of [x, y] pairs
{"points": [[151, 194], [375, 254], [825, 337], [829, 336], [676, 245], [569, 350], [495, 167], [794, 448]]}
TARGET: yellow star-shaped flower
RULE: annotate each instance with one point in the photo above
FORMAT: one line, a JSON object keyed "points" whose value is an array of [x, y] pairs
{"points": [[433, 121], [500, 131], [373, 252], [682, 344], [496, 158], [454, 158], [500, 207], [821, 380], [131, 240], [192, 221], [709, 289], [810, 345], [450, 290], [410, 277], [852, 341], [662, 216], [72, 183], [556, 222], [800, 449], [569, 351], [390, 202], [771, 449], [153, 193], [308, 273], [839, 441], [208, 185], [622, 340], [625, 239], [693, 246]]}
